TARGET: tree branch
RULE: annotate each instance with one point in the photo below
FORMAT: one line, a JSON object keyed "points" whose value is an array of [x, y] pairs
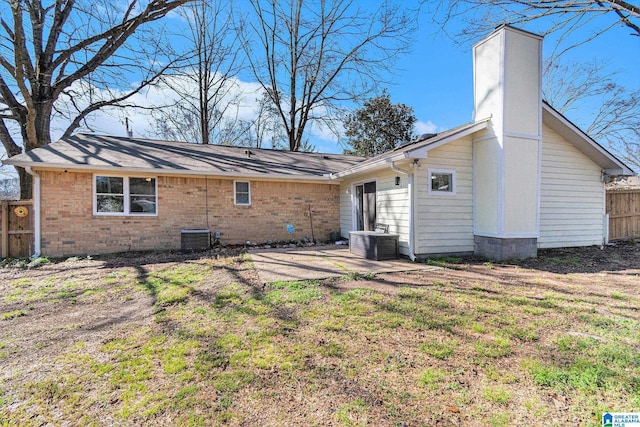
{"points": [[8, 142], [113, 39]]}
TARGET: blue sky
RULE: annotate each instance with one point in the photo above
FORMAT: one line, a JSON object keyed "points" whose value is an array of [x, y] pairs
{"points": [[436, 78]]}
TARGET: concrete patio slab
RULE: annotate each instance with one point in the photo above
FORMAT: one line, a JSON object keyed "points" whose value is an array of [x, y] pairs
{"points": [[320, 263]]}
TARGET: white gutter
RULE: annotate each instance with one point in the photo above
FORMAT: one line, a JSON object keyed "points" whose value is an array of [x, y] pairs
{"points": [[414, 151], [409, 175], [324, 178], [36, 211]]}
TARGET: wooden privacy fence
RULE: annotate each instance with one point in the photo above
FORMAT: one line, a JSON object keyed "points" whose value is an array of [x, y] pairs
{"points": [[623, 207], [17, 228]]}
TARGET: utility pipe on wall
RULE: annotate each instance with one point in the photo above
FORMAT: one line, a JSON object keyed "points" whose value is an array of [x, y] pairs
{"points": [[36, 211], [409, 175]]}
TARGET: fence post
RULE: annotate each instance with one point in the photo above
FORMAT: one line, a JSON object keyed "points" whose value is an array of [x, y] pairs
{"points": [[5, 229]]}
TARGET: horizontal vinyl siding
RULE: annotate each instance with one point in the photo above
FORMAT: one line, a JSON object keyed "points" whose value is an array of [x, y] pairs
{"points": [[346, 212], [392, 205], [572, 195], [444, 224]]}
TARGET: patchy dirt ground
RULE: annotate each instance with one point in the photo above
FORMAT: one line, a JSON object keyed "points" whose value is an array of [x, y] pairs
{"points": [[620, 256], [52, 318], [164, 338]]}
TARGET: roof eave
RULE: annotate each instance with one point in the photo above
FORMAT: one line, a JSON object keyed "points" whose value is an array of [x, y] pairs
{"points": [[414, 151], [381, 161], [610, 164], [171, 172]]}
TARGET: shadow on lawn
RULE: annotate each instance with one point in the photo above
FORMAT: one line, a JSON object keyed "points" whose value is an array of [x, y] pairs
{"points": [[147, 265]]}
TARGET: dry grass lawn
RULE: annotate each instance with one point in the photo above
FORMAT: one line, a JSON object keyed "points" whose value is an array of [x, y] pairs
{"points": [[169, 339]]}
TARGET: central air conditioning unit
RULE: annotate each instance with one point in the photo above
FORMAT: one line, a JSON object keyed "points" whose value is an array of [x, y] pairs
{"points": [[373, 245], [193, 240]]}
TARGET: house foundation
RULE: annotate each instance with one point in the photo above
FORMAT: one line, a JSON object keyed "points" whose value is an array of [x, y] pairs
{"points": [[500, 249]]}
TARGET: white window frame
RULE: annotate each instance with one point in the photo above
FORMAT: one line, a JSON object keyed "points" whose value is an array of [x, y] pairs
{"points": [[451, 192], [126, 195], [235, 193]]}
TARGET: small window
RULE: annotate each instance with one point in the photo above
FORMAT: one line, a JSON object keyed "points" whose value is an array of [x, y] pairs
{"points": [[125, 196], [242, 193], [442, 182]]}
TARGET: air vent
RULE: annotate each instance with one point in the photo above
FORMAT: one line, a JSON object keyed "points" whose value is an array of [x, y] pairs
{"points": [[192, 240]]}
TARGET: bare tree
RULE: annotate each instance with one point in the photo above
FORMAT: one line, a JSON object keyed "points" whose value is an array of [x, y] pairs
{"points": [[262, 130], [267, 128], [206, 87], [564, 17], [9, 188], [591, 88], [586, 93], [74, 51], [311, 55]]}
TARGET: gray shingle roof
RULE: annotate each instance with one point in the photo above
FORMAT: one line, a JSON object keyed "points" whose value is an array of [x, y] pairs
{"points": [[95, 152], [413, 148], [109, 153]]}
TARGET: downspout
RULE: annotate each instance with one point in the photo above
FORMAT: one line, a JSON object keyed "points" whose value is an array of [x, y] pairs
{"points": [[409, 175], [36, 211]]}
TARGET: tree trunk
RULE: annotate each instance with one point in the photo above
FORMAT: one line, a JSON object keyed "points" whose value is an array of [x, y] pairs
{"points": [[25, 184], [42, 125], [42, 137], [292, 141], [48, 46]]}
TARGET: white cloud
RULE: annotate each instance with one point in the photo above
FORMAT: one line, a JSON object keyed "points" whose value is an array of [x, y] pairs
{"points": [[111, 120], [425, 127]]}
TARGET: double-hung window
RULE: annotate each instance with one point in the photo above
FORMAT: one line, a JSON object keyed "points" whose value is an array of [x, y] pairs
{"points": [[242, 193], [123, 195]]}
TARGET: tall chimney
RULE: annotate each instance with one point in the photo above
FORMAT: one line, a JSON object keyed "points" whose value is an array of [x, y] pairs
{"points": [[507, 68]]}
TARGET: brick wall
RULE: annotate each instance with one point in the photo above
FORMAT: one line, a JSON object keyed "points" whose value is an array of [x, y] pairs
{"points": [[70, 228]]}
